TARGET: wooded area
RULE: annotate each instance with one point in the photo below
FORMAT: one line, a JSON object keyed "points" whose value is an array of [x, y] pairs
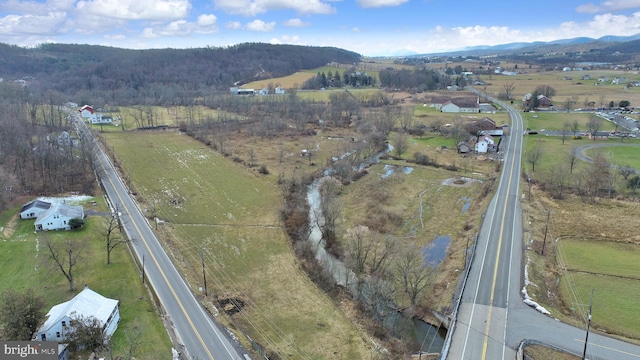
{"points": [[102, 75]]}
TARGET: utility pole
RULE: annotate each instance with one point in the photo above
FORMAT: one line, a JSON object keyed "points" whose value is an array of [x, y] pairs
{"points": [[546, 229], [584, 353], [143, 268], [204, 274]]}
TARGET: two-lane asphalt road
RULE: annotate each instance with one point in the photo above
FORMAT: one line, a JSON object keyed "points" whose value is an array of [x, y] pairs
{"points": [[495, 272], [492, 319], [199, 336]]}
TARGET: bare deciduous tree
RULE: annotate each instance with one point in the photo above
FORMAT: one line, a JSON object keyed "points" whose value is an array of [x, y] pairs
{"points": [[626, 171], [400, 143], [135, 340], [565, 131], [572, 158], [412, 273], [111, 233], [556, 181], [594, 125], [546, 90], [381, 255], [406, 120], [65, 255], [533, 156], [575, 127], [331, 209], [508, 89], [359, 246]]}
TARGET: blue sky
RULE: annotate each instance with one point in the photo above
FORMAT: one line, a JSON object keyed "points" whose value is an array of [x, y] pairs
{"points": [[369, 27]]}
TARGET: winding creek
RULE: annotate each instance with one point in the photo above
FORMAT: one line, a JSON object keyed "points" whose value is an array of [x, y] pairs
{"points": [[422, 335]]}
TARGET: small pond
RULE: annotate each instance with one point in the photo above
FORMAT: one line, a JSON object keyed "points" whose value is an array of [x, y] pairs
{"points": [[434, 252]]}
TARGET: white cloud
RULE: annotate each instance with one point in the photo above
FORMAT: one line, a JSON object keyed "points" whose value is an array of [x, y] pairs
{"points": [[295, 23], [136, 9], [49, 24], [285, 39], [207, 20], [174, 28], [605, 24], [233, 25], [259, 25], [206, 24], [610, 5], [380, 3], [255, 7], [38, 8]]}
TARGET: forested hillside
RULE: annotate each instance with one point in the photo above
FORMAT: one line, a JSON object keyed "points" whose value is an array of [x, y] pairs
{"points": [[99, 74]]}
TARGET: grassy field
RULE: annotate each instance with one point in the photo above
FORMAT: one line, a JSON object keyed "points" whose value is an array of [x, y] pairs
{"points": [[554, 152], [21, 262], [425, 206], [295, 80], [577, 90], [621, 155], [556, 120], [614, 302], [229, 213]]}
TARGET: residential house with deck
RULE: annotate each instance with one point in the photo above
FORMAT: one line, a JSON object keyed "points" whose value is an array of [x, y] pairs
{"points": [[85, 304], [58, 216]]}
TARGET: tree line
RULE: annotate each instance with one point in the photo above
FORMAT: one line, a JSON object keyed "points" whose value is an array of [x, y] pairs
{"points": [[39, 153], [330, 80], [101, 75]]}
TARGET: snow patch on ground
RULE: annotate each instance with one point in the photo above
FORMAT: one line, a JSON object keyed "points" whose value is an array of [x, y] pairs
{"points": [[527, 300], [73, 199]]}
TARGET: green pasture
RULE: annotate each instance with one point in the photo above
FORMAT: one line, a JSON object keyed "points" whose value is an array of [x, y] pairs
{"points": [[223, 212], [615, 301], [596, 257], [611, 270], [556, 121], [621, 155], [22, 265], [555, 153]]}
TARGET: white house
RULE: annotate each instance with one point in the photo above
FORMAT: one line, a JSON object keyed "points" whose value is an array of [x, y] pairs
{"points": [[32, 209], [450, 107], [87, 303], [484, 143], [57, 217], [87, 112]]}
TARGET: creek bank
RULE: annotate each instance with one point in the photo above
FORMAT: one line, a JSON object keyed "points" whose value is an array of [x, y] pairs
{"points": [[421, 335]]}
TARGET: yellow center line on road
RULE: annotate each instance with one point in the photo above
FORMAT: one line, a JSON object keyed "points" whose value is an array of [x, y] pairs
{"points": [[162, 272], [495, 269]]}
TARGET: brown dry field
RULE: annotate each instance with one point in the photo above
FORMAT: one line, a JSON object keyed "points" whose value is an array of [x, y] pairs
{"points": [[538, 352], [572, 217]]}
